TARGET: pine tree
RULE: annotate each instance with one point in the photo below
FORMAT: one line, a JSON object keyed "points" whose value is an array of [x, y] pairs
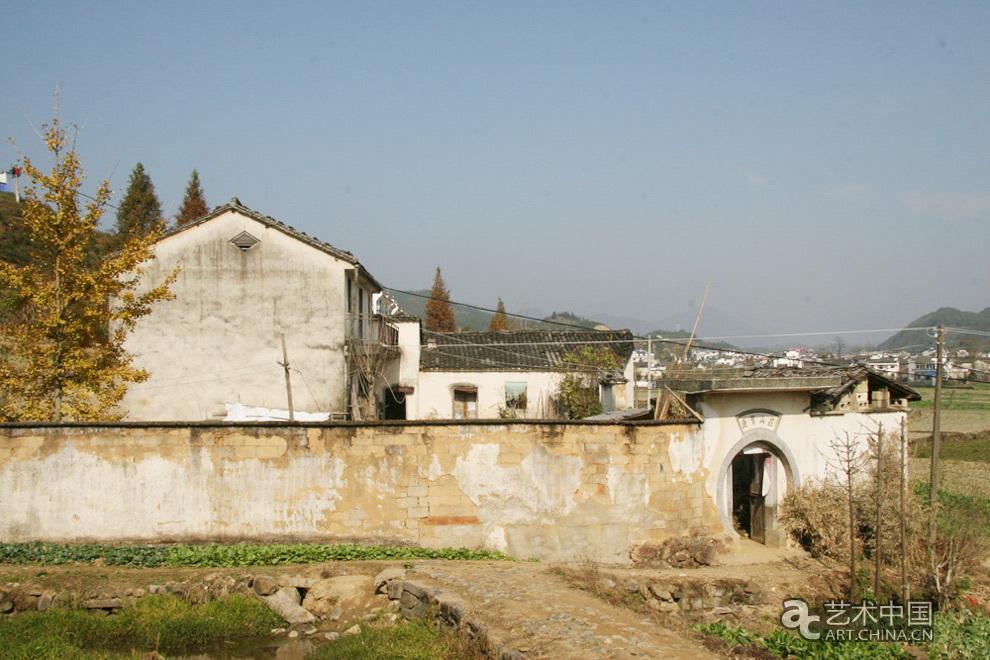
{"points": [[139, 213], [193, 204], [500, 321], [439, 313], [60, 361]]}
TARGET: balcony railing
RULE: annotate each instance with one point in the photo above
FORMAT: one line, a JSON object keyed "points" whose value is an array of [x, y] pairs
{"points": [[371, 329]]}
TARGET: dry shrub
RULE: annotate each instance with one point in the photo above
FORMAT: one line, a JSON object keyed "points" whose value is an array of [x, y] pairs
{"points": [[817, 517]]}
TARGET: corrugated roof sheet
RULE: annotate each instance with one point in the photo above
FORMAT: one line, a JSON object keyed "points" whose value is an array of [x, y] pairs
{"points": [[516, 350]]}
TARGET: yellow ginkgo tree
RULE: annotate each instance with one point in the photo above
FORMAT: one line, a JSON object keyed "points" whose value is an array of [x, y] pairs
{"points": [[61, 354]]}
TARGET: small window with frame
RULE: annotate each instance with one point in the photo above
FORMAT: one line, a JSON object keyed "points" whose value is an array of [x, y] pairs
{"points": [[515, 395], [465, 402]]}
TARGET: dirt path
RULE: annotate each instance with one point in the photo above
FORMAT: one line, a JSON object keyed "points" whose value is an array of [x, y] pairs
{"points": [[533, 610]]}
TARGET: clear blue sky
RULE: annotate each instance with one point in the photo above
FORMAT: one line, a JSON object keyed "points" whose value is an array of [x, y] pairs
{"points": [[826, 165]]}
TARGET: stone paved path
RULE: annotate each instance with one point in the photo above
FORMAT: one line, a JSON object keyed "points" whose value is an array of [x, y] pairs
{"points": [[531, 609]]}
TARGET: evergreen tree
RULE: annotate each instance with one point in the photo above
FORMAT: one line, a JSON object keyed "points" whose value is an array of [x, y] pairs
{"points": [[193, 204], [139, 213], [500, 321], [58, 360], [439, 313], [15, 240]]}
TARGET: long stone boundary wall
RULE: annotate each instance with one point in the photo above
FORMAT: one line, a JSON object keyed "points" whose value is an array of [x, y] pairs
{"points": [[561, 491]]}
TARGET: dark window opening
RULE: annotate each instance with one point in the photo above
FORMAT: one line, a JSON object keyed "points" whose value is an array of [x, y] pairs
{"points": [[466, 403]]}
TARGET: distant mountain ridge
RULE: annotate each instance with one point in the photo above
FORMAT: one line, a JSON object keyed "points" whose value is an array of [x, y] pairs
{"points": [[947, 316], [468, 318]]}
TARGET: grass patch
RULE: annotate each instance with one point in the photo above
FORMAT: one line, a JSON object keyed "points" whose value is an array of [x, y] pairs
{"points": [[223, 556], [973, 447], [969, 397], [961, 636], [781, 644], [417, 640], [165, 623], [965, 477]]}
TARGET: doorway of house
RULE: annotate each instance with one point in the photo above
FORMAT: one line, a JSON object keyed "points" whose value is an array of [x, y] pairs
{"points": [[393, 404], [752, 481]]}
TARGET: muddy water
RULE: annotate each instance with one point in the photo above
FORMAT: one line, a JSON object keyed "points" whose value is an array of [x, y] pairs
{"points": [[259, 648]]}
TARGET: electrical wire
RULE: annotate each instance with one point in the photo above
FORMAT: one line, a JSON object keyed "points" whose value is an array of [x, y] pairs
{"points": [[506, 348], [700, 342], [306, 383]]}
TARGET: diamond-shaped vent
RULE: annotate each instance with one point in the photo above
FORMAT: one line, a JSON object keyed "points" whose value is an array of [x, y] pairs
{"points": [[244, 241]]}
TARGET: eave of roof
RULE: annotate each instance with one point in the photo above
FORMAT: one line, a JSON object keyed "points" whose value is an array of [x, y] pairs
{"points": [[705, 385], [236, 206]]}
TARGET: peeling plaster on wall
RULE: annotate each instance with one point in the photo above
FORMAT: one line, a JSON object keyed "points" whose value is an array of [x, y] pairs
{"points": [[543, 484], [686, 451], [84, 497], [380, 479], [495, 540], [628, 491], [433, 470], [560, 492]]}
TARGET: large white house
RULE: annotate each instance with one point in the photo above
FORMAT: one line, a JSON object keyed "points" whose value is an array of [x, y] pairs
{"points": [[244, 281]]}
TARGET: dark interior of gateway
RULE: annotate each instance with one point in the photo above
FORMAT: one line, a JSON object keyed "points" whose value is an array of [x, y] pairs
{"points": [[748, 500]]}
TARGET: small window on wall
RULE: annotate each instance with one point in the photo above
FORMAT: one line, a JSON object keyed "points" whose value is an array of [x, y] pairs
{"points": [[515, 396], [465, 403]]}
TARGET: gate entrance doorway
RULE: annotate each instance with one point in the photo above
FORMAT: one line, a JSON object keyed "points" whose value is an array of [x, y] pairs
{"points": [[752, 478]]}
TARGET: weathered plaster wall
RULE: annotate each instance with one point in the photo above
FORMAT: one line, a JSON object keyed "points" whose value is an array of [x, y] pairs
{"points": [[555, 491], [218, 339]]}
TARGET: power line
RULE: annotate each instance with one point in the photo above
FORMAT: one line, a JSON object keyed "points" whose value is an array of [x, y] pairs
{"points": [[674, 341], [966, 331], [813, 334]]}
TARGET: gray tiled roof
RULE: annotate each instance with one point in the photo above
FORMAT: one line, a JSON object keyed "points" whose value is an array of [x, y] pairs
{"points": [[516, 350], [848, 377], [824, 383]]}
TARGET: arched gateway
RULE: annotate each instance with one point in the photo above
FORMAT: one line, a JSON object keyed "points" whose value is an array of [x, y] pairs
{"points": [[749, 483]]}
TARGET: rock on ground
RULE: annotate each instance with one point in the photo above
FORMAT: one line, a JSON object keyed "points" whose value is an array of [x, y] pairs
{"points": [[353, 595]]}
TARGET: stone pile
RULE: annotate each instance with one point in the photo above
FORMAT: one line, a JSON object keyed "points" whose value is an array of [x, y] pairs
{"points": [[692, 595], [685, 552]]}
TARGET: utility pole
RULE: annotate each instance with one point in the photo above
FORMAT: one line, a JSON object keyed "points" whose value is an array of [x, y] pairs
{"points": [[936, 440], [879, 528], [649, 370], [288, 385], [905, 588]]}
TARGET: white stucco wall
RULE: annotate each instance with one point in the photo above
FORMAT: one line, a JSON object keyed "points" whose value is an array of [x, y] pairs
{"points": [[408, 366], [218, 340], [434, 396]]}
